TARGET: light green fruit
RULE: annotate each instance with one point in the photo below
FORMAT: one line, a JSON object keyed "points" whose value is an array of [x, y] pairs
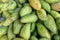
{"points": [[10, 33], [33, 38], [56, 6], [7, 22], [35, 4], [11, 18], [4, 1], [4, 7], [25, 10], [46, 6], [50, 24], [42, 14], [12, 5], [3, 30], [29, 18], [6, 14], [4, 37], [1, 5], [16, 27], [52, 1], [42, 31], [15, 14], [55, 14], [25, 31]]}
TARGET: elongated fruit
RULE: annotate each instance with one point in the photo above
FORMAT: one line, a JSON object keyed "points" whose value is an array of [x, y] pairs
{"points": [[25, 32], [42, 31], [50, 24]]}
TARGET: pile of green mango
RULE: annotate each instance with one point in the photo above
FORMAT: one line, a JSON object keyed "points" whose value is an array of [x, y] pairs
{"points": [[29, 19]]}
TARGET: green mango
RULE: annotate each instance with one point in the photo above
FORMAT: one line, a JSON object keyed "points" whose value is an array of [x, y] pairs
{"points": [[15, 14], [3, 30], [4, 1], [35, 4], [50, 24], [17, 27], [52, 1], [46, 6], [10, 33], [4, 7], [33, 38], [11, 18], [1, 5], [6, 14], [11, 5], [42, 14], [56, 6], [4, 37], [42, 31], [25, 31], [29, 18], [25, 10], [55, 14], [7, 22]]}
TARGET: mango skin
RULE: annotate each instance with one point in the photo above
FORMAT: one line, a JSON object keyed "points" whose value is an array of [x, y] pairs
{"points": [[35, 4], [29, 18], [25, 31], [50, 24], [56, 6], [42, 14], [46, 6], [42, 31], [52, 1]]}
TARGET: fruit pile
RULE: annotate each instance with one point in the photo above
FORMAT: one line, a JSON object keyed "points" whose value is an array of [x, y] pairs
{"points": [[29, 19]]}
